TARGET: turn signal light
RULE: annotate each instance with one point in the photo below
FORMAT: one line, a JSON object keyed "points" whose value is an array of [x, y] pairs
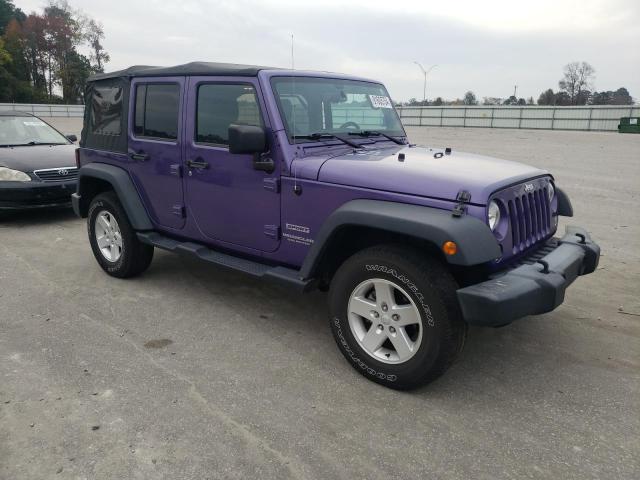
{"points": [[450, 248]]}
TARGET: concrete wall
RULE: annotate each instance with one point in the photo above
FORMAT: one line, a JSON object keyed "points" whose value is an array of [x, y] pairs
{"points": [[68, 118], [602, 118]]}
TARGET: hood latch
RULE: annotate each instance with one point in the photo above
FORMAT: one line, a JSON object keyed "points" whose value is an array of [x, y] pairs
{"points": [[462, 198]]}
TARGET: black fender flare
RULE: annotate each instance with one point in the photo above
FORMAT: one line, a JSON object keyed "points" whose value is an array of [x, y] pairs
{"points": [[122, 184], [565, 208], [476, 243]]}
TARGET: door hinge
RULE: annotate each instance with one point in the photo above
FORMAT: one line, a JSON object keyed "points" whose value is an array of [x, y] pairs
{"points": [[179, 211], [272, 184], [176, 169], [272, 231]]}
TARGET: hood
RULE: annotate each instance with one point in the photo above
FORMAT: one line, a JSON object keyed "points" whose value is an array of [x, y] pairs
{"points": [[420, 173], [36, 157]]}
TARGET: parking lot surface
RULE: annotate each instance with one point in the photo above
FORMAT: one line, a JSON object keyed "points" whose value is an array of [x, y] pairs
{"points": [[193, 372]]}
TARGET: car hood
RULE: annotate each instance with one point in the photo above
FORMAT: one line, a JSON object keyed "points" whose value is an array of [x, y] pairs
{"points": [[428, 172], [36, 157]]}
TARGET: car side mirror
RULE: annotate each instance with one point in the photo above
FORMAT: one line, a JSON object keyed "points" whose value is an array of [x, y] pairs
{"points": [[72, 138], [247, 139]]}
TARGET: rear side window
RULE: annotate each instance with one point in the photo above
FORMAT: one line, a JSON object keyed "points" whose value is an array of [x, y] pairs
{"points": [[220, 105], [157, 110], [106, 110]]}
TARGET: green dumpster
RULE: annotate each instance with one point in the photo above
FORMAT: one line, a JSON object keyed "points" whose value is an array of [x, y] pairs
{"points": [[629, 125]]}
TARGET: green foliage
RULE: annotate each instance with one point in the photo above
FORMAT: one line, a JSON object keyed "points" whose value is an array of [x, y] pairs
{"points": [[39, 57], [470, 98], [619, 97]]}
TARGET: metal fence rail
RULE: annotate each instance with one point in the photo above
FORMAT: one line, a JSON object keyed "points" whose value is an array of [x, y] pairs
{"points": [[45, 110], [596, 117]]}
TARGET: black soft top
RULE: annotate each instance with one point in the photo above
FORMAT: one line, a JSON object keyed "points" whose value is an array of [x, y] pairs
{"points": [[188, 69]]}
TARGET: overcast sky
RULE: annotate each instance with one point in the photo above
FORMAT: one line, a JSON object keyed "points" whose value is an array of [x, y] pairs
{"points": [[487, 46]]}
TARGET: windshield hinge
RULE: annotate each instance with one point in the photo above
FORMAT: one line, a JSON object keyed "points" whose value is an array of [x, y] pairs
{"points": [[462, 198]]}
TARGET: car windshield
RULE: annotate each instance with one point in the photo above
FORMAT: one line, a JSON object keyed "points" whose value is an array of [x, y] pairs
{"points": [[19, 131], [315, 108]]}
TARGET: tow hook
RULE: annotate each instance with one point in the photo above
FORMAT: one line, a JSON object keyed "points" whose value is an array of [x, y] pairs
{"points": [[545, 266]]}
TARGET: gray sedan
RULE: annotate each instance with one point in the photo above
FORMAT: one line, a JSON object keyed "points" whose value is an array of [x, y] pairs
{"points": [[37, 163]]}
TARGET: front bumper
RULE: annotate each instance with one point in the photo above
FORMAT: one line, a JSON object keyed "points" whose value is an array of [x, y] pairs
{"points": [[25, 195], [536, 287]]}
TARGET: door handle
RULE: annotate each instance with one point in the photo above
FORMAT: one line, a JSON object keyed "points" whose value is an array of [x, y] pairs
{"points": [[197, 163], [142, 157]]}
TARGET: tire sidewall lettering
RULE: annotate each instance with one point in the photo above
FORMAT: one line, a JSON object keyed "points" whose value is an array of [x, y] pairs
{"points": [[411, 286], [108, 266], [356, 359]]}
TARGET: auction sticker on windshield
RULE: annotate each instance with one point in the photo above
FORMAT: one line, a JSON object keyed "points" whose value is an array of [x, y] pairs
{"points": [[379, 101]]}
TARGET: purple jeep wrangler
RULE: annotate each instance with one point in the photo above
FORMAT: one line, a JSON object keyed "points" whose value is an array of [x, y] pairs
{"points": [[307, 178]]}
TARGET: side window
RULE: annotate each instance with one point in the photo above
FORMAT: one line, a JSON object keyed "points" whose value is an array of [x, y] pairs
{"points": [[157, 110], [106, 110], [220, 105]]}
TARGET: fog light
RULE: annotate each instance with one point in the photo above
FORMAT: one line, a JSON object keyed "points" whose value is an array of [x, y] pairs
{"points": [[450, 248]]}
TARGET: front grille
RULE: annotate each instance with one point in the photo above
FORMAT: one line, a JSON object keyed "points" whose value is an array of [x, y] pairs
{"points": [[529, 218], [61, 174]]}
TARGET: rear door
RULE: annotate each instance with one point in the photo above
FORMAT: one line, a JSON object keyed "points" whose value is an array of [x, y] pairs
{"points": [[229, 200], [155, 147]]}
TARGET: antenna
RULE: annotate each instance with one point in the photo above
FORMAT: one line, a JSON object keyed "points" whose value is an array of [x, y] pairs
{"points": [[292, 58], [293, 113]]}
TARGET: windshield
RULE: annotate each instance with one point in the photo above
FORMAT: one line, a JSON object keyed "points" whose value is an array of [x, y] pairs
{"points": [[311, 107], [28, 131]]}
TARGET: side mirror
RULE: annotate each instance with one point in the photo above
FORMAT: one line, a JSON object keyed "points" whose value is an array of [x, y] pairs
{"points": [[247, 139], [72, 138]]}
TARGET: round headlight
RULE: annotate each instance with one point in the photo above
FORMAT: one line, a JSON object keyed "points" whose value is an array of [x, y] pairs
{"points": [[551, 191], [9, 175], [493, 215]]}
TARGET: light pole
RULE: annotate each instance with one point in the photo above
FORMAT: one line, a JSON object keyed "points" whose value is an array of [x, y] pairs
{"points": [[425, 73]]}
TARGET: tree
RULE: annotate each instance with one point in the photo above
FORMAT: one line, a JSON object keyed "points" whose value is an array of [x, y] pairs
{"points": [[94, 35], [547, 98], [470, 98], [44, 51], [438, 102], [5, 57], [491, 101], [578, 77], [620, 97], [562, 99], [8, 12]]}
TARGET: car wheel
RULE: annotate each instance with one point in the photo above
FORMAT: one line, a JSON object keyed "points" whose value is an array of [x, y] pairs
{"points": [[395, 316], [113, 240]]}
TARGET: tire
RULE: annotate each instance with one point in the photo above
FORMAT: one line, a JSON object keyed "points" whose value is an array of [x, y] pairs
{"points": [[128, 257], [422, 290]]}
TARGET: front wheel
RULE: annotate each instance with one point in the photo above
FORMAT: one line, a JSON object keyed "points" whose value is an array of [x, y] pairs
{"points": [[113, 239], [395, 316]]}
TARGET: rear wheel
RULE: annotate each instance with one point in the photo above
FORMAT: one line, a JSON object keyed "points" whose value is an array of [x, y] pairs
{"points": [[395, 316], [113, 239]]}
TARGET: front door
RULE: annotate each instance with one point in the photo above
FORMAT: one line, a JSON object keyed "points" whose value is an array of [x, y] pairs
{"points": [[155, 147], [229, 200]]}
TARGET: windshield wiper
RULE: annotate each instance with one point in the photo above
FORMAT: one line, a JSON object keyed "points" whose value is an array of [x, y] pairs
{"points": [[35, 142], [375, 133], [320, 136]]}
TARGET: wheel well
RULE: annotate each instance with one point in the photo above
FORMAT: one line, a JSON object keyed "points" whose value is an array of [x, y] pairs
{"points": [[90, 187], [349, 240]]}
